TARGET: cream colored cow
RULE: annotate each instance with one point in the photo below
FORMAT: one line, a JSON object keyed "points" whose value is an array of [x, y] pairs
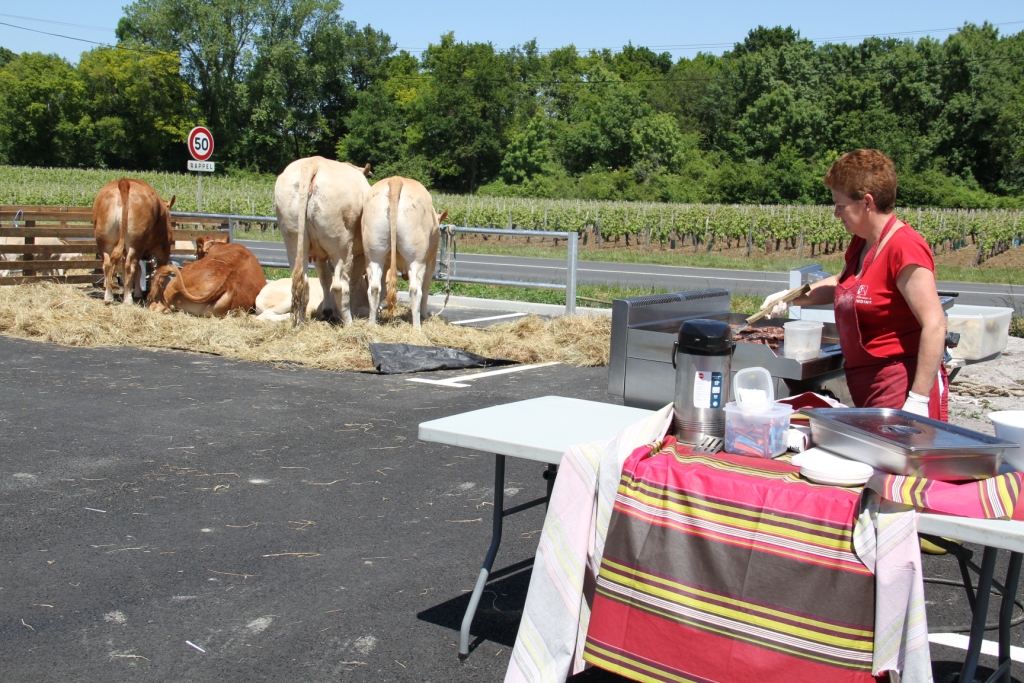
{"points": [[319, 203], [401, 231], [39, 241], [275, 300]]}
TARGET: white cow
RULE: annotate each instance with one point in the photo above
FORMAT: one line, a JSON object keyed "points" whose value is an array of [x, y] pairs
{"points": [[319, 203], [401, 230], [275, 299]]}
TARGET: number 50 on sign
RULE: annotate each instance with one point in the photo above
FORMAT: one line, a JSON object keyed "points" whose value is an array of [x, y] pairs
{"points": [[200, 143]]}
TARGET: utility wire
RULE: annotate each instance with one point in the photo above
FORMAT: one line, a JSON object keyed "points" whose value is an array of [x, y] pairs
{"points": [[684, 46], [57, 23]]}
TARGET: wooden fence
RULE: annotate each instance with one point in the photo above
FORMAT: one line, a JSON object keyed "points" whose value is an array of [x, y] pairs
{"points": [[72, 225]]}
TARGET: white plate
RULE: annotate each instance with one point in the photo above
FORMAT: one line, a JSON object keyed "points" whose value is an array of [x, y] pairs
{"points": [[823, 467]]}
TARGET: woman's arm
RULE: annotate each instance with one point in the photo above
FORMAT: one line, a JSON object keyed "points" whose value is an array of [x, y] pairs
{"points": [[822, 292], [917, 284]]}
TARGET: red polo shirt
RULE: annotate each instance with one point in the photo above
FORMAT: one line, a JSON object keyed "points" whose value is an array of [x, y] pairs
{"points": [[888, 327]]}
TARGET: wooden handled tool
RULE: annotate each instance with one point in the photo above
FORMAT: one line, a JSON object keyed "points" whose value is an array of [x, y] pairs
{"points": [[789, 296]]}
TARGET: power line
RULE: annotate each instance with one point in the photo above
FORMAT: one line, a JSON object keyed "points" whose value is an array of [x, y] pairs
{"points": [[47, 33], [58, 23], [672, 47], [701, 46], [120, 46]]}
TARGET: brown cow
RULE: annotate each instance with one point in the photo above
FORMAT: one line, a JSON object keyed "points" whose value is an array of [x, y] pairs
{"points": [[131, 223], [223, 278]]}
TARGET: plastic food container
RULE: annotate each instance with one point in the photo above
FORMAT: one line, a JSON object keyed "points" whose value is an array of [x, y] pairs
{"points": [[903, 443], [1009, 426], [983, 330], [756, 433], [803, 339], [753, 389]]}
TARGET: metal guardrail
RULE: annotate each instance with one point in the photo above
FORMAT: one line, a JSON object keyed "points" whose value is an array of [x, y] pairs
{"points": [[572, 257], [571, 238], [229, 218]]}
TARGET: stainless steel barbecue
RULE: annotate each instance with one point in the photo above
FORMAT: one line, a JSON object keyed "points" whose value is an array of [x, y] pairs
{"points": [[643, 329]]}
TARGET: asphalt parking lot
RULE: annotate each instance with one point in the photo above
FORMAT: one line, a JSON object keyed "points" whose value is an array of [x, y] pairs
{"points": [[284, 521]]}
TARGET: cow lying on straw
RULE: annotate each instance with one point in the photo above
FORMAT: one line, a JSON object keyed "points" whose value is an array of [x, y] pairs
{"points": [[223, 278]]}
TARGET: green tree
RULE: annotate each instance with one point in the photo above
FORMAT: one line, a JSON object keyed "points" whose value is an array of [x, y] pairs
{"points": [[141, 108], [44, 119], [459, 117], [528, 154]]}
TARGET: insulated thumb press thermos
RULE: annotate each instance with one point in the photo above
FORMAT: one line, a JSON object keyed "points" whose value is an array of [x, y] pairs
{"points": [[702, 357]]}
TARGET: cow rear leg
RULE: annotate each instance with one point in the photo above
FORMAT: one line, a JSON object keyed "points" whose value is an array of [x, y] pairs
{"points": [[341, 288], [108, 277], [417, 294], [128, 273], [374, 274], [328, 307], [428, 277]]}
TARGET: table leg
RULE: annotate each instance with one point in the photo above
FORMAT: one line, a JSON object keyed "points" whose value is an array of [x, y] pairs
{"points": [[1006, 613], [549, 474], [481, 580], [988, 567]]}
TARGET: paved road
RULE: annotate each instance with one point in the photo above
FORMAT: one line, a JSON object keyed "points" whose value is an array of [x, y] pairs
{"points": [[677, 278], [285, 520]]}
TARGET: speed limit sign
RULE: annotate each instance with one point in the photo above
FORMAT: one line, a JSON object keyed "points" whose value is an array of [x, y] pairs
{"points": [[200, 143]]}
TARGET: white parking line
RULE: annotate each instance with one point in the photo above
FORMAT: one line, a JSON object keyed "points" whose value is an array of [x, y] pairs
{"points": [[988, 647], [493, 317], [457, 381]]}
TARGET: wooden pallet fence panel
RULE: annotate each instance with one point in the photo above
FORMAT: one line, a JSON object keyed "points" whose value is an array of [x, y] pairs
{"points": [[62, 279], [36, 264], [82, 247], [51, 231], [44, 216]]}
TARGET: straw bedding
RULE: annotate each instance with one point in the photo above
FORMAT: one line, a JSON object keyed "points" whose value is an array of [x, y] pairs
{"points": [[68, 315]]}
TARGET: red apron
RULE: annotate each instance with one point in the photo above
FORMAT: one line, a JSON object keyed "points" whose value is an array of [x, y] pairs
{"points": [[875, 381]]}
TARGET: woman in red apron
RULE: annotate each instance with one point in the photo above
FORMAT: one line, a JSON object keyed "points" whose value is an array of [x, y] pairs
{"points": [[892, 328]]}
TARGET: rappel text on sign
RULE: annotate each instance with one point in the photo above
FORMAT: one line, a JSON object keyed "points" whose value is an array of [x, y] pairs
{"points": [[202, 166]]}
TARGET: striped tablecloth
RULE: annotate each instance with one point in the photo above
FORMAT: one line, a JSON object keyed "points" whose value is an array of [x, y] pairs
{"points": [[730, 568]]}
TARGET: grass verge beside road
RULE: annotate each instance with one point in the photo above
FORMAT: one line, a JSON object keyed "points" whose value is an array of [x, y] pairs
{"points": [[832, 263], [597, 294]]}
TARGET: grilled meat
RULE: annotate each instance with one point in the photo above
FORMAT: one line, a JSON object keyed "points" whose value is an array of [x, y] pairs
{"points": [[771, 337]]}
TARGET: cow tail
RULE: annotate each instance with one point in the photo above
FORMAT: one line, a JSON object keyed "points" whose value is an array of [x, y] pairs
{"points": [[117, 253], [394, 194], [300, 287]]}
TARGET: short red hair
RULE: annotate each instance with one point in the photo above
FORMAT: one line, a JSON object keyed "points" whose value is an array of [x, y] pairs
{"points": [[862, 172]]}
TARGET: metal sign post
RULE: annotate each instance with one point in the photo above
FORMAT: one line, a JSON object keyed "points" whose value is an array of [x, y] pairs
{"points": [[200, 146]]}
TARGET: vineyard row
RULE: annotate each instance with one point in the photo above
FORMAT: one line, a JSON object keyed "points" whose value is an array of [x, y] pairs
{"points": [[700, 226]]}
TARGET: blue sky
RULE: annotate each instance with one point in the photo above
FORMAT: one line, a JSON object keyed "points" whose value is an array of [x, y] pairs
{"points": [[681, 28]]}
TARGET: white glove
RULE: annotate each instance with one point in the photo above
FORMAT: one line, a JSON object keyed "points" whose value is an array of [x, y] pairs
{"points": [[780, 308], [916, 404]]}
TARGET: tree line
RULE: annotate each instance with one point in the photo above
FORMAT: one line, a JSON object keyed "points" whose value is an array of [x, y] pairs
{"points": [[280, 79]]}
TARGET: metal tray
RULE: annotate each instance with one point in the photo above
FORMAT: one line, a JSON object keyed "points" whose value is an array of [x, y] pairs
{"points": [[903, 443]]}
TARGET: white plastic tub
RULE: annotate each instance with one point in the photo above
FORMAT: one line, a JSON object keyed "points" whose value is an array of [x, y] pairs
{"points": [[1009, 426], [802, 339], [983, 330]]}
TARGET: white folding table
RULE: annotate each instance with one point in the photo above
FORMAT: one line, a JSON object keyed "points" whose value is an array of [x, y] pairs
{"points": [[993, 535], [541, 429], [538, 429]]}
